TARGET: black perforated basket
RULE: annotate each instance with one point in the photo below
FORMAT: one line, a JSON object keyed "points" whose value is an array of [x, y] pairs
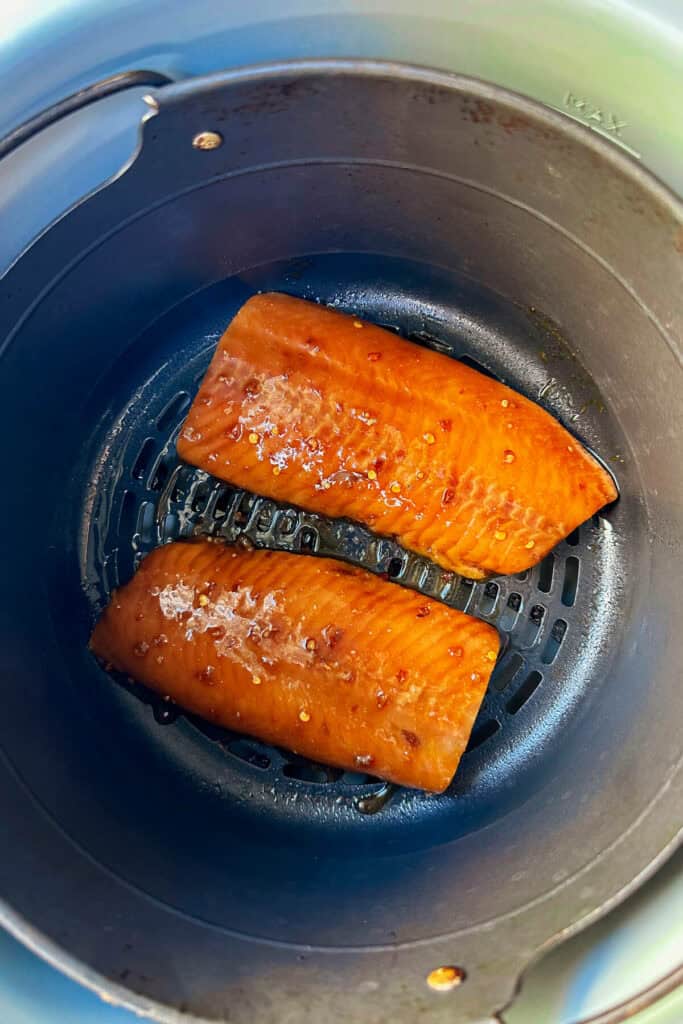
{"points": [[181, 867]]}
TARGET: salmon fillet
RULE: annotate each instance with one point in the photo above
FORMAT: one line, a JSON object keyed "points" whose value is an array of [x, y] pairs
{"points": [[306, 653], [310, 406]]}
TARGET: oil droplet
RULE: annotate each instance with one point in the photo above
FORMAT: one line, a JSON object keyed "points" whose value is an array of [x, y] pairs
{"points": [[500, 535], [508, 455], [429, 438], [165, 714], [203, 600], [304, 716], [529, 544], [491, 655], [310, 644], [395, 488], [455, 652], [505, 403], [256, 680], [357, 323], [376, 801], [253, 438], [372, 475], [475, 677], [420, 475], [570, 447], [445, 979], [276, 470]]}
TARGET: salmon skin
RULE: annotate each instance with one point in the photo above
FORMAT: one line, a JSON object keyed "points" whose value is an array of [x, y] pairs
{"points": [[310, 406], [306, 653]]}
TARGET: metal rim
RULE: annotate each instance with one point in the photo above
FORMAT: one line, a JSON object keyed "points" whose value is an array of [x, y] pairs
{"points": [[649, 182]]}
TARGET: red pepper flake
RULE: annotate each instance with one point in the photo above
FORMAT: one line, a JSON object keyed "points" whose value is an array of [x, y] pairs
{"points": [[447, 496], [400, 455], [235, 431], [401, 675], [379, 464], [374, 357], [423, 612], [411, 738], [206, 675], [446, 425], [332, 635], [251, 388]]}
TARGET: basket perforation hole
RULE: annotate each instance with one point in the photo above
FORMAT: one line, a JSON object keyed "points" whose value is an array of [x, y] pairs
{"points": [[286, 524], [554, 641], [522, 576], [128, 515], [309, 771], [173, 410], [243, 511], [144, 459], [465, 593], [222, 504], [533, 625], [200, 497], [177, 491], [489, 598], [160, 476], [264, 519], [308, 539], [545, 574], [246, 751], [146, 522], [506, 671], [170, 529], [395, 567], [574, 538], [528, 687], [482, 733], [571, 581]]}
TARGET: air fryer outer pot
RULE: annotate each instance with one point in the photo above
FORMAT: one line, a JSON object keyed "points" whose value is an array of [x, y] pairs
{"points": [[337, 157]]}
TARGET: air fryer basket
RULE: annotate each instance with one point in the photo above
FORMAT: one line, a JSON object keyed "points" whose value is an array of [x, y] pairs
{"points": [[175, 866]]}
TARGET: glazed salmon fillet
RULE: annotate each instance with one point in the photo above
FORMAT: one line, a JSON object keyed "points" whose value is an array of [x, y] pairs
{"points": [[313, 407], [306, 653]]}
